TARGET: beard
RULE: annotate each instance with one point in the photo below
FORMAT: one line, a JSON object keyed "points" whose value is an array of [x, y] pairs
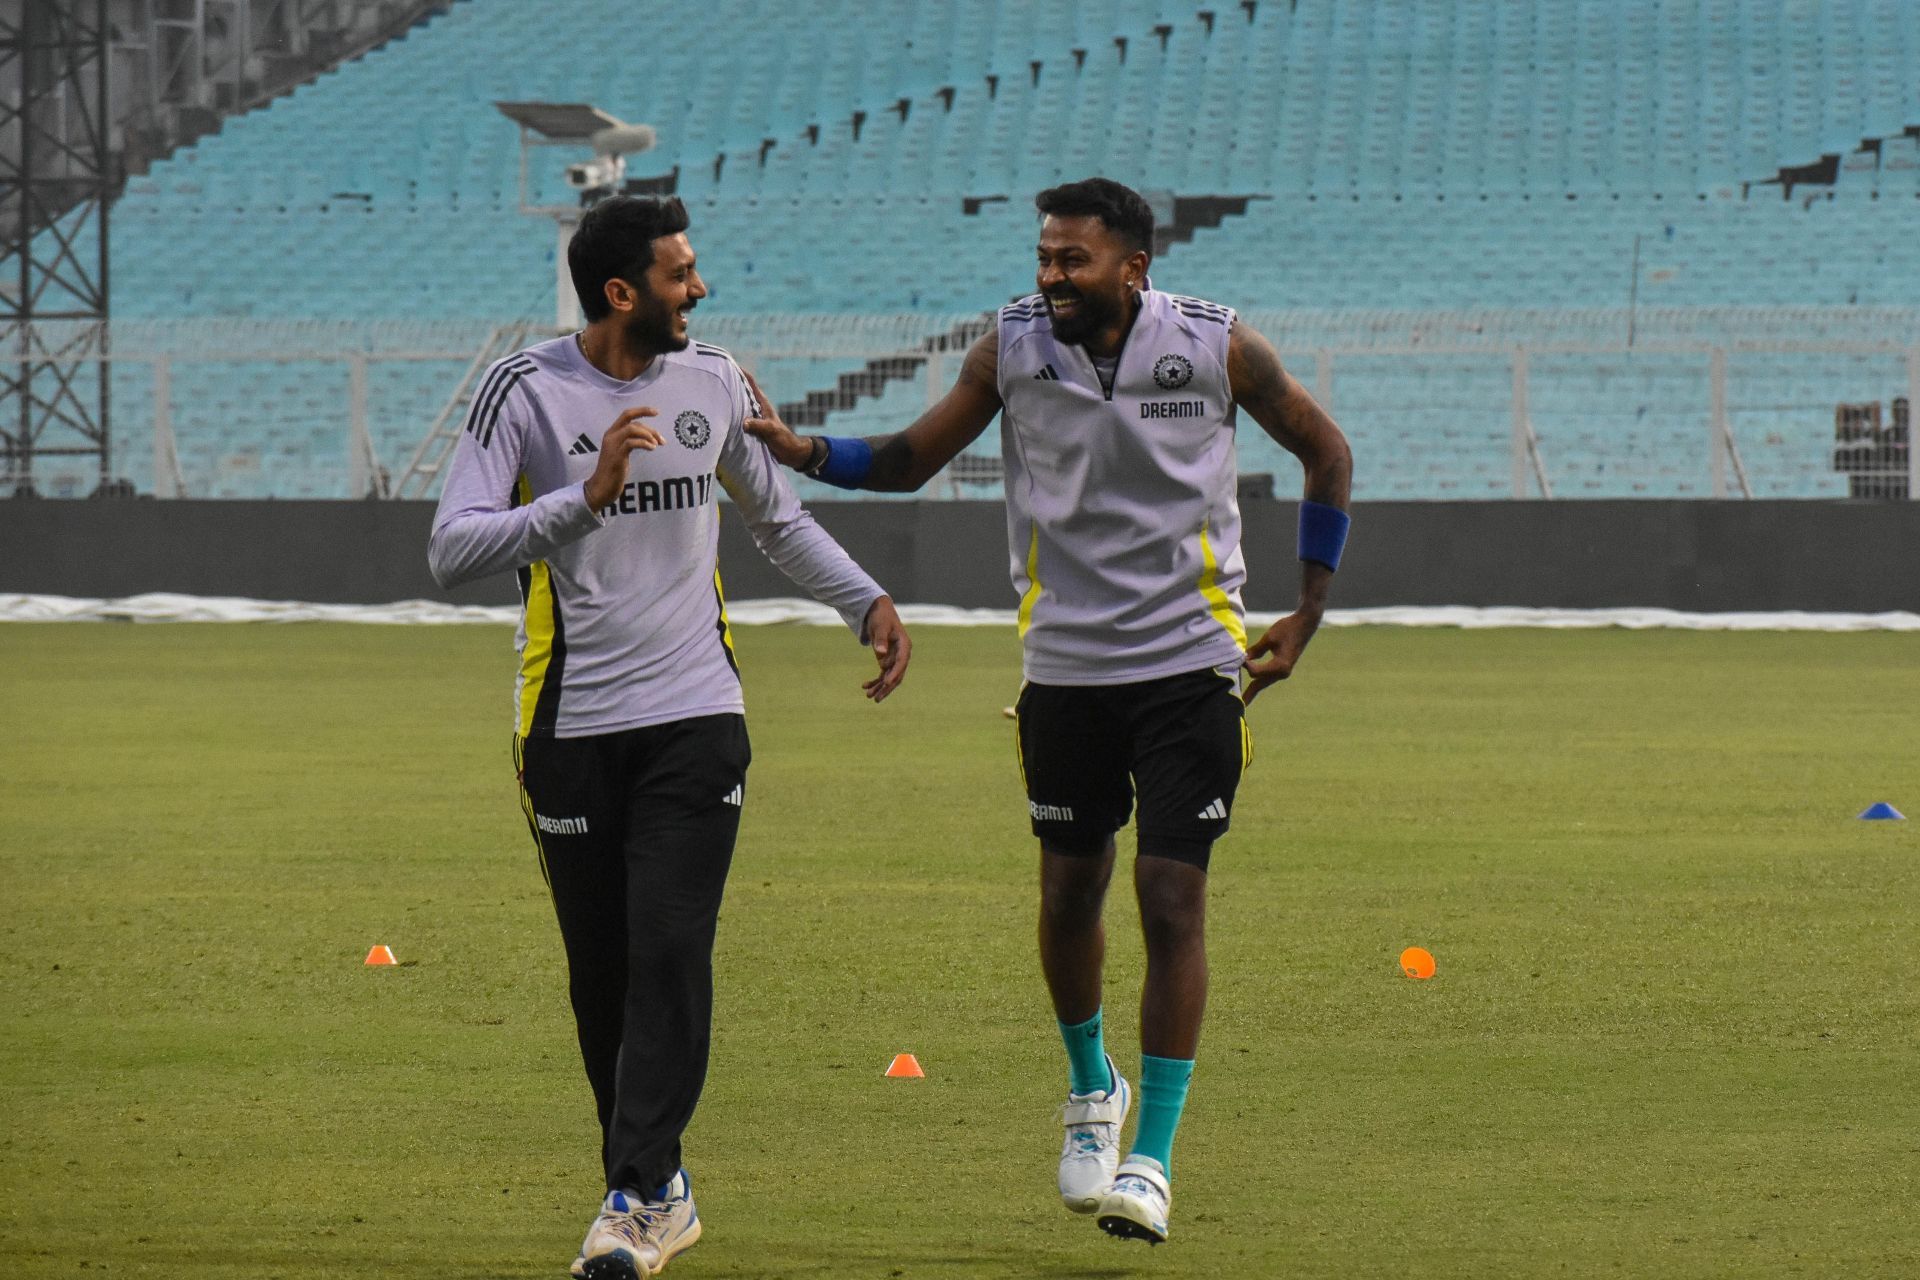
{"points": [[651, 331], [1088, 318]]}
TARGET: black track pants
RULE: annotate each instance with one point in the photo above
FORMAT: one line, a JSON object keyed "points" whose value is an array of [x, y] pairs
{"points": [[635, 832]]}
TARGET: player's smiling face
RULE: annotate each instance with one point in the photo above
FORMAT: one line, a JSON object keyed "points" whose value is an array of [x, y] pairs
{"points": [[670, 289], [1087, 274]]}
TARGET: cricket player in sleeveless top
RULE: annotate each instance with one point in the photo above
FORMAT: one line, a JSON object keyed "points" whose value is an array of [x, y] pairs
{"points": [[1119, 405], [629, 735]]}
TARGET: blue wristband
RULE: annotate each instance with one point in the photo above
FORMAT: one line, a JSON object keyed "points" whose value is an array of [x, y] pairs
{"points": [[1323, 533], [846, 464]]}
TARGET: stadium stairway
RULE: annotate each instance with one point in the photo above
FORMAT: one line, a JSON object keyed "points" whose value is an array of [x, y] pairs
{"points": [[1480, 154]]}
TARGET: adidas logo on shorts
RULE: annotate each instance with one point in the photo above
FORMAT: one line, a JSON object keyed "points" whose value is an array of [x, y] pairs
{"points": [[1215, 812], [735, 797]]}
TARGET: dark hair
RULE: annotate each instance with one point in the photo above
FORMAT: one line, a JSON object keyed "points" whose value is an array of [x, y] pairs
{"points": [[615, 239], [1124, 211]]}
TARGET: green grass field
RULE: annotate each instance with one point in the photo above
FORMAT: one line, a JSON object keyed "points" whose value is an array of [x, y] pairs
{"points": [[1674, 1031]]}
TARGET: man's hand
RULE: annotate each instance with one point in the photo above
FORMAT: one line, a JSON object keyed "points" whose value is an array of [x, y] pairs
{"points": [[1273, 656], [788, 449], [626, 434], [890, 645]]}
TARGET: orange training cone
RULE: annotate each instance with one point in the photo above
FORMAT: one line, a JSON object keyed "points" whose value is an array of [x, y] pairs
{"points": [[905, 1067], [381, 955]]}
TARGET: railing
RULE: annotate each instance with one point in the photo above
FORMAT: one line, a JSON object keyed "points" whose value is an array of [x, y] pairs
{"points": [[1722, 402]]}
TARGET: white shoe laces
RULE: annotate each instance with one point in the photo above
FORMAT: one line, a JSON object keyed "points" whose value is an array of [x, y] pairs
{"points": [[1088, 1139], [639, 1225]]}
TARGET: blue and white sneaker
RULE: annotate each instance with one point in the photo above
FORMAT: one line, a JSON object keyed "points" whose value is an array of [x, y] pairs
{"points": [[1091, 1152], [634, 1238], [1137, 1206]]}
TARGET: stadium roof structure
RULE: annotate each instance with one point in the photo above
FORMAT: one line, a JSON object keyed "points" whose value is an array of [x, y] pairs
{"points": [[559, 121]]}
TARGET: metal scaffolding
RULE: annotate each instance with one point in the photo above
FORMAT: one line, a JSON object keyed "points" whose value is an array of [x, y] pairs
{"points": [[56, 174], [180, 66], [91, 90]]}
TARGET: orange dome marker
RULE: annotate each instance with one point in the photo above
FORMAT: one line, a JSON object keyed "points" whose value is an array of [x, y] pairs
{"points": [[1417, 962], [904, 1067], [381, 955]]}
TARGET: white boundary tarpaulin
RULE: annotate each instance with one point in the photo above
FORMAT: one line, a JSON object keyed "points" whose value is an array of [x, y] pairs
{"points": [[161, 607]]}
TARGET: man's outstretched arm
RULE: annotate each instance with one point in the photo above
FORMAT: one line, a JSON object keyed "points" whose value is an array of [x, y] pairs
{"points": [[1276, 400], [807, 554], [905, 460]]}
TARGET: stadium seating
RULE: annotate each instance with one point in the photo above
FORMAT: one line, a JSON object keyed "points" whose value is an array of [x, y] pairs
{"points": [[1405, 156]]}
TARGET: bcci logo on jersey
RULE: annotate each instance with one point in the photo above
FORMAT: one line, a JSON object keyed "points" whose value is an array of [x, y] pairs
{"points": [[1171, 372], [692, 429]]}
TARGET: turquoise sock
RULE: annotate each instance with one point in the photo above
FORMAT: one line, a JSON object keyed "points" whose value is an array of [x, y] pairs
{"points": [[1163, 1095], [1086, 1056]]}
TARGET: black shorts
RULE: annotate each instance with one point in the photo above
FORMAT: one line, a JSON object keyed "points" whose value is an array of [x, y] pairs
{"points": [[1181, 742]]}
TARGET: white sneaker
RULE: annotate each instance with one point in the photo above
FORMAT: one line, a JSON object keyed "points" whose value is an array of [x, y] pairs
{"points": [[1136, 1207], [1091, 1152], [634, 1238]]}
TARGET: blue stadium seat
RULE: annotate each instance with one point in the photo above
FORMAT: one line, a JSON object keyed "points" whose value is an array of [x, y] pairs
{"points": [[1479, 154]]}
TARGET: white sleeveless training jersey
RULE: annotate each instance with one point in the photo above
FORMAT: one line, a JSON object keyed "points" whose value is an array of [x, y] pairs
{"points": [[1122, 518]]}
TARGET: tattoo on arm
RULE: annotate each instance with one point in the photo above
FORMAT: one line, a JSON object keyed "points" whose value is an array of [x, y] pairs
{"points": [[1286, 412], [1253, 366]]}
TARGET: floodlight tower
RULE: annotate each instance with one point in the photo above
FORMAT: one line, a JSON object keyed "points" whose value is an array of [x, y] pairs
{"points": [[56, 175], [574, 124]]}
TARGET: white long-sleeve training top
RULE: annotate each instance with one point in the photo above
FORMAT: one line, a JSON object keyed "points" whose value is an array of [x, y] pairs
{"points": [[623, 623]]}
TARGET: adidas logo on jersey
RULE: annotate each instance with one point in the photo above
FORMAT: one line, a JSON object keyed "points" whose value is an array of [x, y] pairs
{"points": [[583, 445], [735, 797], [1047, 374], [1215, 812]]}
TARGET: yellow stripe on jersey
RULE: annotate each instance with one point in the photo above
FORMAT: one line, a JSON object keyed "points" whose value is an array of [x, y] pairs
{"points": [[541, 607], [1032, 595], [726, 630], [1217, 603]]}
